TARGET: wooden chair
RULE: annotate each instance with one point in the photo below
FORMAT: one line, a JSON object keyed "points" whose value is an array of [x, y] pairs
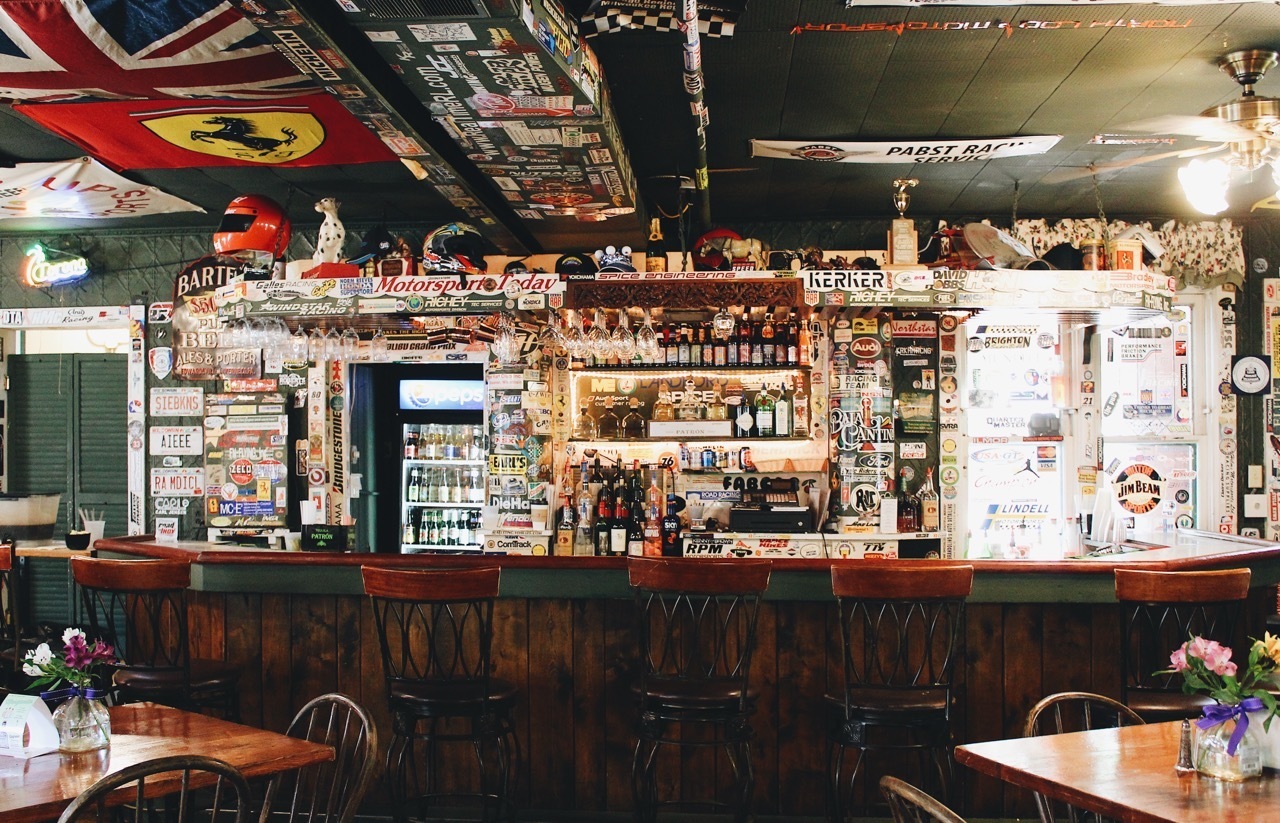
{"points": [[328, 792], [1074, 712], [1161, 610], [184, 787], [696, 632], [907, 804], [900, 630], [435, 629], [140, 607]]}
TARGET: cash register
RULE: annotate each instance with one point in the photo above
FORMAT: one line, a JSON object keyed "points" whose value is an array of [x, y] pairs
{"points": [[770, 504]]}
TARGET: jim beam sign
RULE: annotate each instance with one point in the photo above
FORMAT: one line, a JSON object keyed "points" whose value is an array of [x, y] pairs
{"points": [[195, 316]]}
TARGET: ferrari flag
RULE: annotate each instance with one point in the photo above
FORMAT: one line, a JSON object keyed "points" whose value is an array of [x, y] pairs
{"points": [[57, 50], [314, 130], [904, 151], [80, 188]]}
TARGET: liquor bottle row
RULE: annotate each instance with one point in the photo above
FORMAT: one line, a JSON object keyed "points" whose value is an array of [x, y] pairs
{"points": [[905, 512], [773, 411], [443, 484], [615, 514], [723, 342], [436, 441], [433, 527]]}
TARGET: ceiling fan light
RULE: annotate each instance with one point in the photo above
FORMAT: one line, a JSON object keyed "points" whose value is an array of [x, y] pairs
{"points": [[1204, 182]]}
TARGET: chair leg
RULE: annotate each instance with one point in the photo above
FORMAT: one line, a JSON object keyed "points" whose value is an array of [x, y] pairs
{"points": [[644, 784]]}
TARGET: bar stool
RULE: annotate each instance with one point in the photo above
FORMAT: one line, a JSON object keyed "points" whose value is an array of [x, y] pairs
{"points": [[907, 804], [1073, 712], [900, 626], [1161, 611], [435, 629], [140, 607], [696, 631], [11, 645]]}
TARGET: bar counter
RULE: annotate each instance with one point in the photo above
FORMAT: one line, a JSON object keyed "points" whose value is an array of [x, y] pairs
{"points": [[563, 633]]}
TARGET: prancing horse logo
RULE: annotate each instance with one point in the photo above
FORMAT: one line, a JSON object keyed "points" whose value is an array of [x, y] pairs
{"points": [[239, 130], [268, 136]]}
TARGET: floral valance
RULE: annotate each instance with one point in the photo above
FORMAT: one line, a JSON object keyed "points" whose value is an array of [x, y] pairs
{"points": [[1202, 254]]}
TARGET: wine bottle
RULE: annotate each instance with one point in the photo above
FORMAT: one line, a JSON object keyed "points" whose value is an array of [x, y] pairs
{"points": [[621, 518], [928, 503], [671, 530], [604, 521], [655, 254], [782, 413]]}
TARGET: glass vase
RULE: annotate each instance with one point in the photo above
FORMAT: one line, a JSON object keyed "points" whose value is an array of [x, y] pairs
{"points": [[1213, 760], [83, 725]]}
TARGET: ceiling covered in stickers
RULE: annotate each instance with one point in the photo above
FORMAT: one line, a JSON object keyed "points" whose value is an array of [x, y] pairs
{"points": [[503, 114]]}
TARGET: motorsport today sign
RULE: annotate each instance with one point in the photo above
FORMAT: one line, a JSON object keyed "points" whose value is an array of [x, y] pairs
{"points": [[905, 151]]}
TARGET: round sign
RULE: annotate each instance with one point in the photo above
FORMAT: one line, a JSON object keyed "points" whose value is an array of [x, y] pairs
{"points": [[241, 471], [1138, 488], [1249, 374]]}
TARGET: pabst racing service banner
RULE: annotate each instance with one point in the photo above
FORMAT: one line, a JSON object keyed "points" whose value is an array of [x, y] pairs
{"points": [[904, 151], [80, 188]]}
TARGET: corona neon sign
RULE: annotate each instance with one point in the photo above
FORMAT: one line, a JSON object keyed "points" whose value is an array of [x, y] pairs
{"points": [[37, 269]]}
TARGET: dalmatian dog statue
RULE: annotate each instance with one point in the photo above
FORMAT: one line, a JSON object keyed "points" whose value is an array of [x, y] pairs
{"points": [[332, 234]]}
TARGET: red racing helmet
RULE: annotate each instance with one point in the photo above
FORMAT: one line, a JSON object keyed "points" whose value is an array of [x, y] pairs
{"points": [[253, 223]]}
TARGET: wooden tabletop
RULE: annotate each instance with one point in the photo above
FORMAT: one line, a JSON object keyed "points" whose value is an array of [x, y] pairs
{"points": [[40, 788], [1126, 774]]}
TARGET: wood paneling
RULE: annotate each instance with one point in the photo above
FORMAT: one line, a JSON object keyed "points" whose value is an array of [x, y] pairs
{"points": [[572, 660]]}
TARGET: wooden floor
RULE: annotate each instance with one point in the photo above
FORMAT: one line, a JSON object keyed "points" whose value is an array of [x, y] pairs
{"points": [[572, 661]]}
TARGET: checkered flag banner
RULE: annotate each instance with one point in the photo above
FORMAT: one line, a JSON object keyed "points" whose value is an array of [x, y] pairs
{"points": [[714, 20]]}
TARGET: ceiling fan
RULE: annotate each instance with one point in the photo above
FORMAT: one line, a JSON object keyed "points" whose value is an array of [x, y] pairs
{"points": [[1248, 128]]}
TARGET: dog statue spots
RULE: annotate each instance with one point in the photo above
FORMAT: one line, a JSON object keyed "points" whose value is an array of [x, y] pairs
{"points": [[332, 234]]}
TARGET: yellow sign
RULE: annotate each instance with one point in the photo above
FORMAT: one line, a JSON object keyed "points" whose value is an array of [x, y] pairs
{"points": [[516, 464], [257, 136]]}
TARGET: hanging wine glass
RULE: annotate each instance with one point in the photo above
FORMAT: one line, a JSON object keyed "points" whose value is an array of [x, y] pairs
{"points": [[379, 348], [599, 342], [575, 339], [647, 340], [550, 337], [350, 345], [723, 324], [317, 349], [332, 345], [624, 343], [506, 343], [297, 346]]}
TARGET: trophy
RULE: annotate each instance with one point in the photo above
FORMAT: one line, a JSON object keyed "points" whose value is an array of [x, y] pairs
{"points": [[902, 235]]}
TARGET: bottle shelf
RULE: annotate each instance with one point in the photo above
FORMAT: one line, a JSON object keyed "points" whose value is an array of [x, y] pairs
{"points": [[677, 368], [408, 548], [725, 440], [473, 506], [430, 461]]}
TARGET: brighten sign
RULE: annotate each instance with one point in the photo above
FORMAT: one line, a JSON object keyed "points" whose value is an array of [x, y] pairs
{"points": [[37, 269], [435, 395]]}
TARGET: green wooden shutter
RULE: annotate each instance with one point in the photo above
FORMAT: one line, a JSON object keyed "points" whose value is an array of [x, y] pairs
{"points": [[41, 396], [101, 479]]}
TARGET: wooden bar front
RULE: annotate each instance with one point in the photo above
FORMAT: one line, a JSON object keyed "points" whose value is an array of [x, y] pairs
{"points": [[299, 626]]}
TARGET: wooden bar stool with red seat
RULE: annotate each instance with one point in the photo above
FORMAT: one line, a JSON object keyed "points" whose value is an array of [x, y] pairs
{"points": [[435, 629], [140, 607], [697, 627], [1162, 610], [900, 629]]}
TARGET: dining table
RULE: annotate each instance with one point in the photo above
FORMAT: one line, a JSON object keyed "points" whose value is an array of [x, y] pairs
{"points": [[39, 788], [1126, 774]]}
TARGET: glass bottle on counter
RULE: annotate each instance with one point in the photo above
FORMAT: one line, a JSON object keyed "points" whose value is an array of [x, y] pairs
{"points": [[621, 517], [566, 526], [804, 342], [609, 422], [633, 422], [765, 406], [793, 345], [671, 530], [768, 344], [908, 507], [782, 412], [655, 254], [586, 427], [928, 495], [604, 516], [662, 409], [671, 340], [583, 543], [744, 340], [800, 411], [685, 339], [696, 339], [716, 409]]}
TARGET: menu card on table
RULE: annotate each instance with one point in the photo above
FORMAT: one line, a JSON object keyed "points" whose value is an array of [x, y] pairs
{"points": [[26, 727]]}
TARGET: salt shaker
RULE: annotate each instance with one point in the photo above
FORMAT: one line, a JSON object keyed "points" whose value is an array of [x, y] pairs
{"points": [[1184, 765]]}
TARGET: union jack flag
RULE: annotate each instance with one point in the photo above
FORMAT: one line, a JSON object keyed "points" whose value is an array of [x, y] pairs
{"points": [[59, 50]]}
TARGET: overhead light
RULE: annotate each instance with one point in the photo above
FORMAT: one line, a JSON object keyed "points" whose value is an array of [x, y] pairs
{"points": [[1205, 183]]}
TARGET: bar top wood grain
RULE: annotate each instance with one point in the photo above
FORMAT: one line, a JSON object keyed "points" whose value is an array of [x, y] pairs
{"points": [[1126, 774], [39, 789]]}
